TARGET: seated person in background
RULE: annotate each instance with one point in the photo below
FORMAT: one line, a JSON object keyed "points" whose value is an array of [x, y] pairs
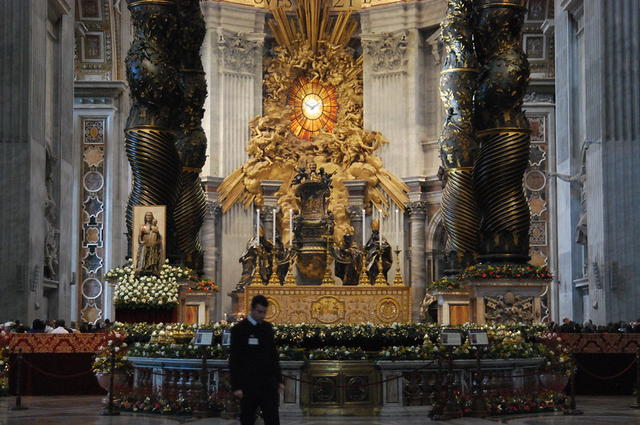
{"points": [[73, 328], [60, 329], [37, 327], [50, 324]]}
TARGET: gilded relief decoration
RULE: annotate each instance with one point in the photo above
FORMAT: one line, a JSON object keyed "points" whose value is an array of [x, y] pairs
{"points": [[334, 304], [539, 46], [328, 310], [97, 53], [92, 218], [313, 45], [511, 308]]}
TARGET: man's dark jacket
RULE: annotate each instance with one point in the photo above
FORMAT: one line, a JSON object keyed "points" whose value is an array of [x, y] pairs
{"points": [[253, 365]]}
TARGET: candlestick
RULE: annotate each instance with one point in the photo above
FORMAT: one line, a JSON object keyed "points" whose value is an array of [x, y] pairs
{"points": [[364, 221], [397, 228], [258, 224], [274, 227], [380, 231], [290, 228]]}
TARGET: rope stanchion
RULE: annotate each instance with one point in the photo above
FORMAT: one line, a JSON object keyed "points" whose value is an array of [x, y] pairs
{"points": [[19, 360], [636, 405], [571, 410], [110, 410]]}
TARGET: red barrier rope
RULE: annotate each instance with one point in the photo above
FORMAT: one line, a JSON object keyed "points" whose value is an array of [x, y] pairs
{"points": [[54, 375], [607, 378]]}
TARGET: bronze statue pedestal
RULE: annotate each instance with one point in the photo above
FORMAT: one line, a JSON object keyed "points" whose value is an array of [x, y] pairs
{"points": [[506, 300]]}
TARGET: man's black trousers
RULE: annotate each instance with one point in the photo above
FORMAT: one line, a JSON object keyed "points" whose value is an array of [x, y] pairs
{"points": [[265, 397]]}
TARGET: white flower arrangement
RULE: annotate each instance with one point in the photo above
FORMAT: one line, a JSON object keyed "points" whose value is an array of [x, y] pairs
{"points": [[133, 291]]}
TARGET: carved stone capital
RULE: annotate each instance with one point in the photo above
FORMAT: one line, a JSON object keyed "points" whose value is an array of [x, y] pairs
{"points": [[388, 52], [535, 97], [214, 208], [355, 212], [417, 209], [436, 45], [239, 52]]}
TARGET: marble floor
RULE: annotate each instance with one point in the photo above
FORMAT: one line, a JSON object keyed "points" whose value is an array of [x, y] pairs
{"points": [[85, 411]]}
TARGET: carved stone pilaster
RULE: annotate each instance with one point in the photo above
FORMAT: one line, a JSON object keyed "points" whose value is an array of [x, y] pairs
{"points": [[417, 223], [437, 46], [388, 51]]}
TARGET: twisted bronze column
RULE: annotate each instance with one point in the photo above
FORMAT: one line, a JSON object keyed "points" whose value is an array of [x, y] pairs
{"points": [[503, 132], [191, 140], [458, 147], [150, 135]]}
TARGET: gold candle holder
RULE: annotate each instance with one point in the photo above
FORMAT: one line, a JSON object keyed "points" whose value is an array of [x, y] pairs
{"points": [[327, 279], [273, 279], [256, 279], [364, 277], [380, 279], [397, 280], [290, 280]]}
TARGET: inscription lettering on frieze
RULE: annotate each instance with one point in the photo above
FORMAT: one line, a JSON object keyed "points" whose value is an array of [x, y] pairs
{"points": [[336, 5]]}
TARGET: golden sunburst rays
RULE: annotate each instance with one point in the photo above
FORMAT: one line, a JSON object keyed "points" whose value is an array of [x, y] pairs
{"points": [[312, 24]]}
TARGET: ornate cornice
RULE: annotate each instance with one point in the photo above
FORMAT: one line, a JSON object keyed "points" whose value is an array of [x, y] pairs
{"points": [[388, 53]]}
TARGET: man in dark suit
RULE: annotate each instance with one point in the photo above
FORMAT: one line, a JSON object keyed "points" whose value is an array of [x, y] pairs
{"points": [[254, 364]]}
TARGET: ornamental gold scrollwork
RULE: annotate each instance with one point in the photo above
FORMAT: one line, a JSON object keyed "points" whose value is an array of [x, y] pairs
{"points": [[274, 309]]}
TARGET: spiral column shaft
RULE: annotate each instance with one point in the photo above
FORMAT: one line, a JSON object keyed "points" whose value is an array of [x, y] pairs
{"points": [[503, 132], [191, 145], [154, 166], [458, 147]]}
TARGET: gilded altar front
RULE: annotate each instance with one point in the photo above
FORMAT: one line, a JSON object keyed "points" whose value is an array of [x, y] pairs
{"points": [[333, 304]]}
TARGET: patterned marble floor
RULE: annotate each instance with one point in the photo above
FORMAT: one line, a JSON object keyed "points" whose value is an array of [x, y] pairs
{"points": [[85, 411]]}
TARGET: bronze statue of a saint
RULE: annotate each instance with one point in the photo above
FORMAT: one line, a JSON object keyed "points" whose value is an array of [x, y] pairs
{"points": [[256, 248], [283, 259], [149, 258], [374, 250], [348, 258]]}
